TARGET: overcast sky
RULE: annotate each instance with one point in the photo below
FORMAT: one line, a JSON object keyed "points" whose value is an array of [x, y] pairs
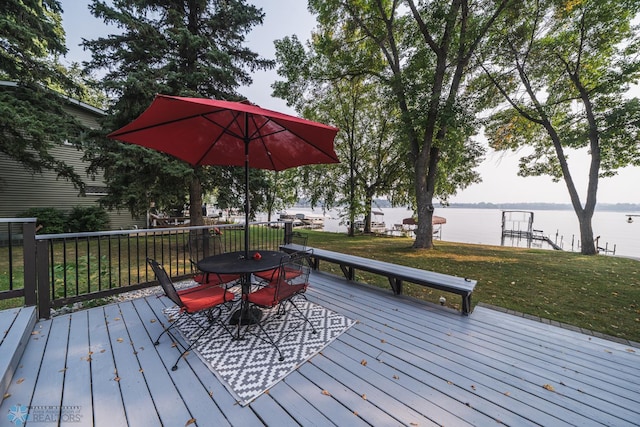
{"points": [[288, 17]]}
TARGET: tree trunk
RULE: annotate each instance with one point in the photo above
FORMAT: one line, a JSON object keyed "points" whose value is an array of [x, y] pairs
{"points": [[588, 245], [195, 201], [425, 171], [367, 216]]}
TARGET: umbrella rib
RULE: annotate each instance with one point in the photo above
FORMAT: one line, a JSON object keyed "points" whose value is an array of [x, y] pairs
{"points": [[225, 130], [168, 122], [260, 138], [307, 141]]}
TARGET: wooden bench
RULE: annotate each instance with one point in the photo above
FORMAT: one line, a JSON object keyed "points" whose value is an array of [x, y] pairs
{"points": [[396, 274]]}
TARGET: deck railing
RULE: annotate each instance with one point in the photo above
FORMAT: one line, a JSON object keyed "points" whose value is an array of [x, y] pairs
{"points": [[62, 269], [17, 261]]}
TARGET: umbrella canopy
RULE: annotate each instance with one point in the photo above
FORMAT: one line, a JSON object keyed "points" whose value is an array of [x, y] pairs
{"points": [[212, 132]]}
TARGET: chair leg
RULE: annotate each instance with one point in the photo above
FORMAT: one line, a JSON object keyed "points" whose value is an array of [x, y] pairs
{"points": [[302, 314], [165, 331], [268, 340], [212, 320], [190, 346]]}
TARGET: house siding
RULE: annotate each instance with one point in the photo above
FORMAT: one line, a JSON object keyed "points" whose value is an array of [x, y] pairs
{"points": [[21, 190]]}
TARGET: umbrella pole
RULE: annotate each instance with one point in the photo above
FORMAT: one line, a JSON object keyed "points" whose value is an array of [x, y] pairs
{"points": [[247, 206]]}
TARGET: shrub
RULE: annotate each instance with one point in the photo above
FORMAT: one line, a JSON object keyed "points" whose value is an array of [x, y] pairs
{"points": [[91, 218], [80, 219], [49, 220]]}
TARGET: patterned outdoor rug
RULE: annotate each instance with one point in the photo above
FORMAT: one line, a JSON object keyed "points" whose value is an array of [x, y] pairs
{"points": [[250, 366]]}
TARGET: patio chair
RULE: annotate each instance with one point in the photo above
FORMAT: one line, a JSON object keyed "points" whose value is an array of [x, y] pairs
{"points": [[204, 243], [292, 281], [192, 301], [269, 276]]}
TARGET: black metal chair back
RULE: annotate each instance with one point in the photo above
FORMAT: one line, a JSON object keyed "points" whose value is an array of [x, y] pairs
{"points": [[165, 281]]}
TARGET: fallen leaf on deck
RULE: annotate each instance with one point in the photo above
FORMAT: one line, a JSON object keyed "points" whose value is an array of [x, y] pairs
{"points": [[153, 320], [630, 350], [326, 393], [191, 421], [116, 379], [20, 381], [473, 386], [6, 395], [141, 370], [363, 362], [35, 332], [506, 393], [103, 350], [548, 387], [395, 377], [382, 341], [62, 370], [119, 340], [364, 396], [116, 318]]}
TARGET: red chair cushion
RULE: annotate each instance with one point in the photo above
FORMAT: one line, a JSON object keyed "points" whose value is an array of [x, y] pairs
{"points": [[273, 274], [266, 297], [203, 297]]}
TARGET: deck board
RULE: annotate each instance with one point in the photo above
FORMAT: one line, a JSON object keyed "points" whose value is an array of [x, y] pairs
{"points": [[108, 409], [403, 363], [170, 408], [77, 392]]}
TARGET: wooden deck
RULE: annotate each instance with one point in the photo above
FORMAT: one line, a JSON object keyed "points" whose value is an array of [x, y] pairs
{"points": [[404, 363]]}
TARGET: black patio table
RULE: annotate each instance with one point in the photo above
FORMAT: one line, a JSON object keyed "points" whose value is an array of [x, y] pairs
{"points": [[237, 263]]}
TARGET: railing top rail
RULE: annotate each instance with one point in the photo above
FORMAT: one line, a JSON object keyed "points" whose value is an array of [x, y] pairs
{"points": [[3, 220], [138, 231]]}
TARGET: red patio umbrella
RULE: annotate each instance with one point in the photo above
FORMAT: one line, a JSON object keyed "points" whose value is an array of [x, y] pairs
{"points": [[212, 132]]}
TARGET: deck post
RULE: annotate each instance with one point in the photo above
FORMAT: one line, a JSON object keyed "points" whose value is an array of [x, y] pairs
{"points": [[288, 231], [44, 296], [29, 259]]}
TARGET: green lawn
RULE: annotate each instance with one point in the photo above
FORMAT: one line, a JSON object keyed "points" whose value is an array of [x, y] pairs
{"points": [[600, 293]]}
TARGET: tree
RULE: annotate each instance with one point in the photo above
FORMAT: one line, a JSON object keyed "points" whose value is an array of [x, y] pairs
{"points": [[564, 68], [281, 190], [32, 120], [186, 48], [428, 49], [371, 161]]}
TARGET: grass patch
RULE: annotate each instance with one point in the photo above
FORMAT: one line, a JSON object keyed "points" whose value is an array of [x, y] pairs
{"points": [[600, 293]]}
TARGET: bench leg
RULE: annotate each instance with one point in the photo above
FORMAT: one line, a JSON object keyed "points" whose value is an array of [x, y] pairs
{"points": [[396, 285], [349, 272], [466, 304]]}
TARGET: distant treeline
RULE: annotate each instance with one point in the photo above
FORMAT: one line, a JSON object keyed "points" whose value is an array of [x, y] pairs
{"points": [[537, 206], [616, 207]]}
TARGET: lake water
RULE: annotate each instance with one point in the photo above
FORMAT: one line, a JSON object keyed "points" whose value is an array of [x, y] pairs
{"points": [[483, 226]]}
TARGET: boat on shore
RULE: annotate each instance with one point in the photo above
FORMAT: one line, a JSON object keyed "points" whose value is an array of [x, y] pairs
{"points": [[303, 219], [377, 223], [311, 220], [409, 225]]}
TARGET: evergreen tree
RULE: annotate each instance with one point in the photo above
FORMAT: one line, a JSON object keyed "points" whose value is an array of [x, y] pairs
{"points": [[179, 47], [32, 121]]}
